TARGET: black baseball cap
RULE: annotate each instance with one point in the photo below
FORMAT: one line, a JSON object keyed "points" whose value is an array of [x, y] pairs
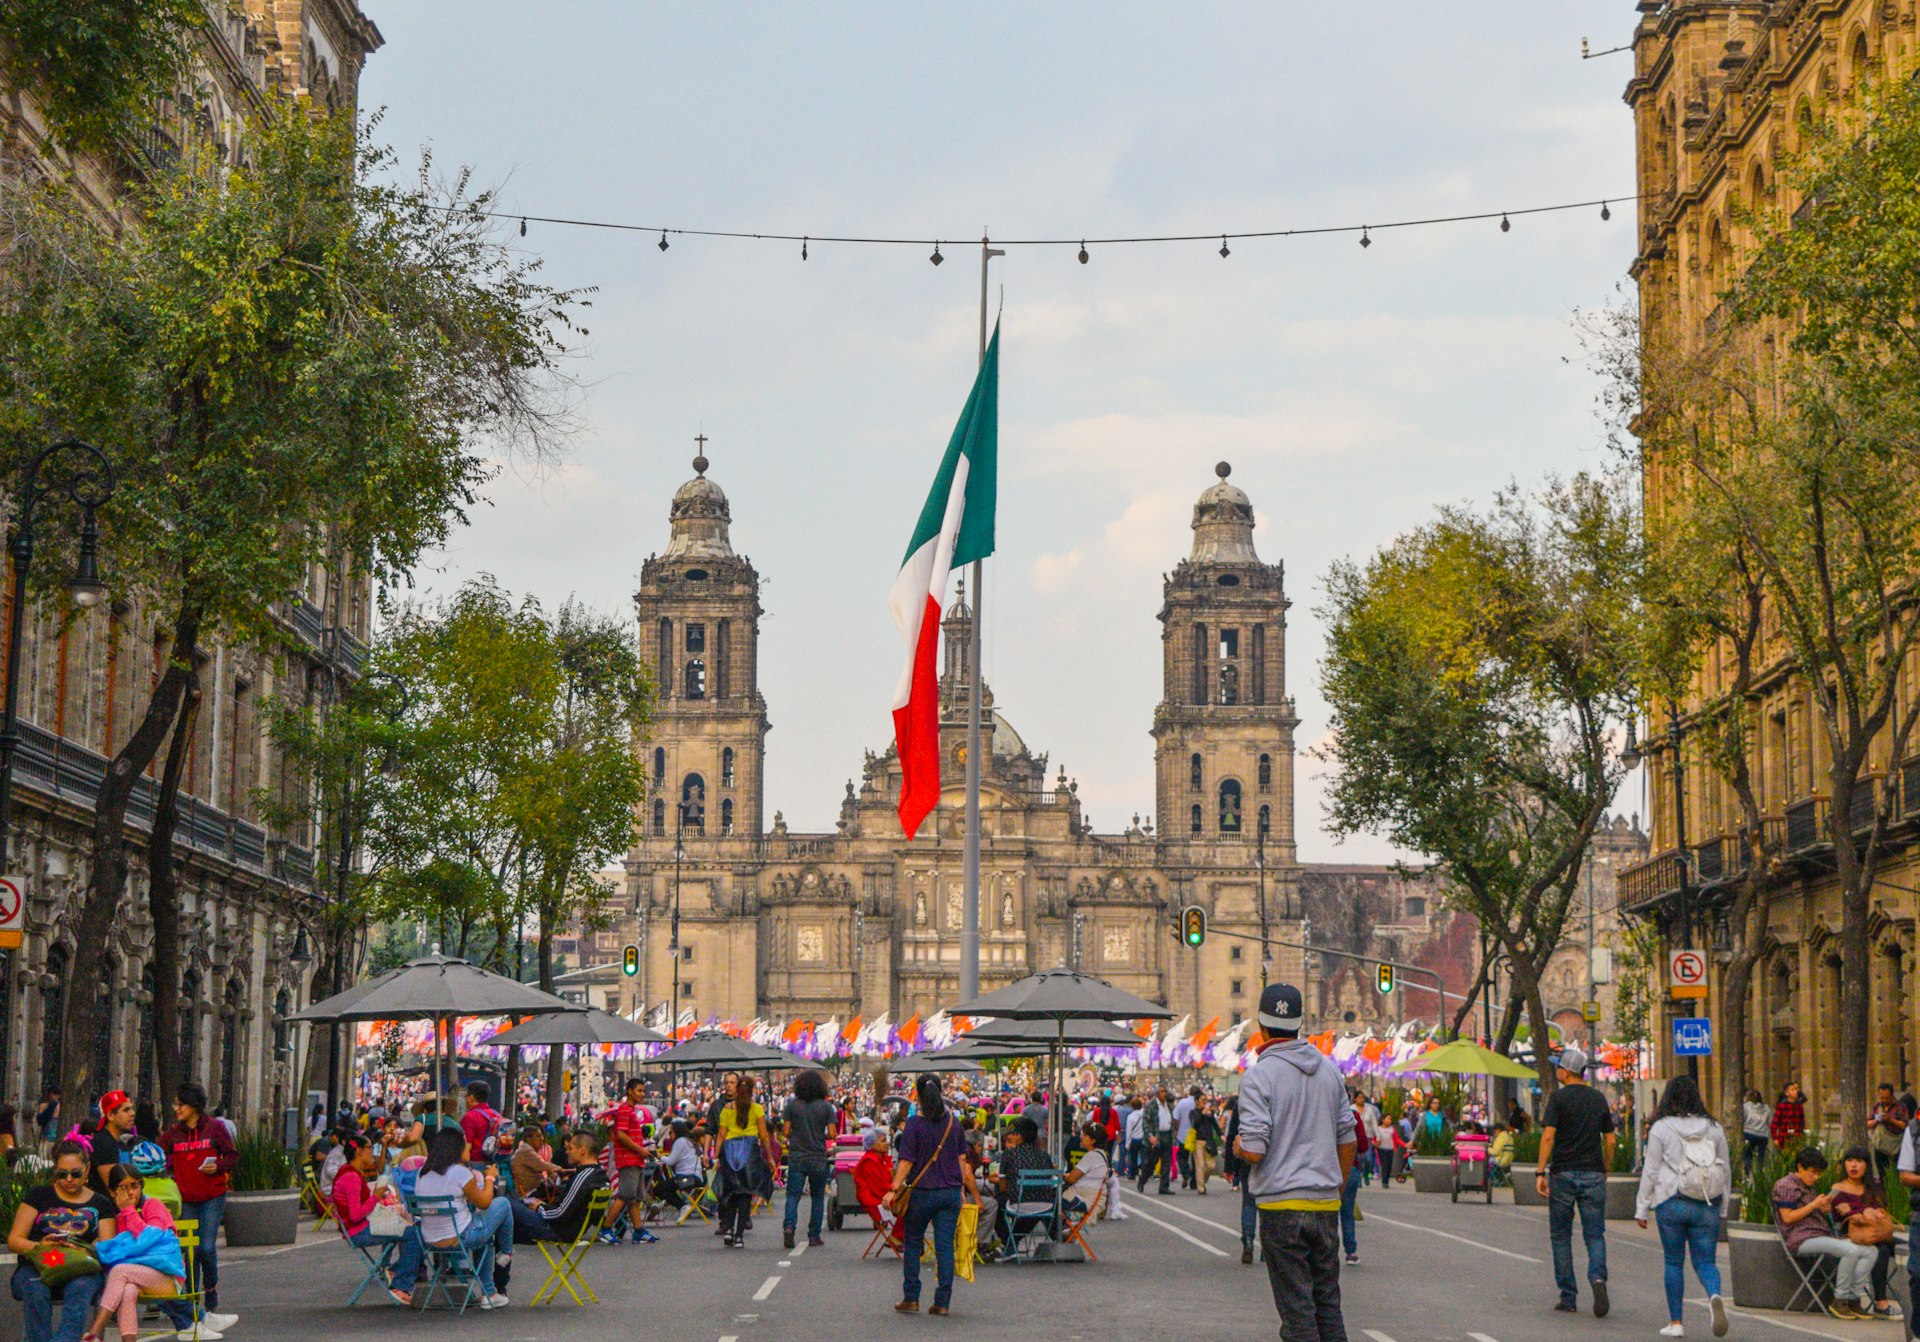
{"points": [[1282, 1009]]}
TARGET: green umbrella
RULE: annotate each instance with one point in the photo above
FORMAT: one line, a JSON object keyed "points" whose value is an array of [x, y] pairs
{"points": [[1463, 1057]]}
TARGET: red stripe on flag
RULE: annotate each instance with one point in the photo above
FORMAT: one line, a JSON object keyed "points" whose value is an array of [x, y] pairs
{"points": [[916, 728]]}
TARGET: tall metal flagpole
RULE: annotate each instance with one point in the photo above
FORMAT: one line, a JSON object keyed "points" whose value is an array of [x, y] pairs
{"points": [[970, 895]]}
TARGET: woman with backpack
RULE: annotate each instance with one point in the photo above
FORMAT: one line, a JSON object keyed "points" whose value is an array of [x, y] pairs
{"points": [[1684, 1178]]}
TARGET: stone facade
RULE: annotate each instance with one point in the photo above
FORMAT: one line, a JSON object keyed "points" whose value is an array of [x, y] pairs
{"points": [[1719, 94], [85, 683], [858, 921]]}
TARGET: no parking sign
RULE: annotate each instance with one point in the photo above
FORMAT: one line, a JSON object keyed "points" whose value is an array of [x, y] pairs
{"points": [[13, 911]]}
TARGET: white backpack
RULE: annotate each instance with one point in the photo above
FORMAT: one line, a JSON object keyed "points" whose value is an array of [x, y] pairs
{"points": [[1701, 1176]]}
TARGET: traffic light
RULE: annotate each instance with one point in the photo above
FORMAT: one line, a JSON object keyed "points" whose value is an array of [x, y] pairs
{"points": [[1383, 980], [630, 961], [1193, 925]]}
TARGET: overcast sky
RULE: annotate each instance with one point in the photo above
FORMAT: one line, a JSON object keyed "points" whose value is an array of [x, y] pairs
{"points": [[1353, 390]]}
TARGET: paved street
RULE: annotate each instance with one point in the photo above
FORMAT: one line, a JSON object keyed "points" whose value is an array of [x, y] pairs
{"points": [[1430, 1271]]}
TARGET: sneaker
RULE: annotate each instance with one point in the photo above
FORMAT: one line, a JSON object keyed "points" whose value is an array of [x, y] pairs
{"points": [[1718, 1308], [1600, 1302], [815, 1242], [204, 1334], [1353, 1260], [608, 1237], [1566, 1307], [645, 1237], [497, 1301], [1673, 1330], [727, 1240], [786, 1237], [1886, 1311], [686, 1214], [402, 1298], [1839, 1309], [217, 1321], [1246, 1253]]}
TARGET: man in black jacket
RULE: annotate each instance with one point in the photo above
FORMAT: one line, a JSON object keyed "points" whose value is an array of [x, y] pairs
{"points": [[560, 1217]]}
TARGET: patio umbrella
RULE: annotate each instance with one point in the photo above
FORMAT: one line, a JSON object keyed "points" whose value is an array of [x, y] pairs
{"points": [[717, 1051], [1060, 995], [1463, 1057], [975, 1050], [1059, 1034], [592, 1026], [943, 1061], [438, 988]]}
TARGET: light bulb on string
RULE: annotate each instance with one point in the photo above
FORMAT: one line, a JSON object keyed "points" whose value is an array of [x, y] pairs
{"points": [[936, 258], [1506, 225], [523, 226], [1083, 251], [803, 249], [663, 239], [1366, 240], [1223, 246], [1605, 213]]}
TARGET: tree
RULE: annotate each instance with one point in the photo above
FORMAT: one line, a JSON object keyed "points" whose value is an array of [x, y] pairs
{"points": [[291, 363], [1476, 669], [98, 68]]}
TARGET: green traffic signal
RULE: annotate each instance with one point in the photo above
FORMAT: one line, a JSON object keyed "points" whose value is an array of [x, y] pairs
{"points": [[1384, 979], [1193, 925], [630, 961]]}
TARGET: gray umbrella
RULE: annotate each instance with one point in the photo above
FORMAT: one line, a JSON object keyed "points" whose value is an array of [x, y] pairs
{"points": [[941, 1061], [592, 1026], [1041, 1034], [976, 1050], [715, 1050], [438, 988]]}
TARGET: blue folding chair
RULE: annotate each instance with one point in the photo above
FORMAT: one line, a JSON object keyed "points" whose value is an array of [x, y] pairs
{"points": [[379, 1260], [448, 1267], [1030, 1228]]}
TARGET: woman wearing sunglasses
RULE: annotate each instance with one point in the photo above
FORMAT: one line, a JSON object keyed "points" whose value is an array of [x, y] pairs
{"points": [[65, 1211]]}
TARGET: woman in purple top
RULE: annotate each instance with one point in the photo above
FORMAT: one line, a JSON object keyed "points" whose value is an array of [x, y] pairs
{"points": [[928, 1163]]}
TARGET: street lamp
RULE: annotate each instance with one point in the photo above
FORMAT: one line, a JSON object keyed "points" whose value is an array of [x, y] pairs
{"points": [[82, 472]]}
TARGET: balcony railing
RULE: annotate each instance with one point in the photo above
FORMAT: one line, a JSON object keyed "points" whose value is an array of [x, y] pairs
{"points": [[1806, 824], [1910, 789], [62, 771], [1860, 807], [1645, 884]]}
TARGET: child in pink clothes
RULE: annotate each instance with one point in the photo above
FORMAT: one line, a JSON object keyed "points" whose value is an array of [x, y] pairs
{"points": [[121, 1293]]}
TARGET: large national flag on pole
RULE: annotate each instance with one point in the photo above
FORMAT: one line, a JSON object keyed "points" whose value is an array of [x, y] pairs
{"points": [[955, 528]]}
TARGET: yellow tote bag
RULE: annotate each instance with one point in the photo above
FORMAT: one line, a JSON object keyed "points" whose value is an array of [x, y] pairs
{"points": [[966, 1242]]}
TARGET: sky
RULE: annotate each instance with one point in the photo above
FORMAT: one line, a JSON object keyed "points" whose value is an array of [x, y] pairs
{"points": [[1353, 390]]}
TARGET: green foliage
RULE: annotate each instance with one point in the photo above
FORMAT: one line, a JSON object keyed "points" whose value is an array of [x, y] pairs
{"points": [[98, 68], [1756, 1193], [1526, 1148], [264, 1164], [1626, 1150], [1393, 1102], [1427, 1143]]}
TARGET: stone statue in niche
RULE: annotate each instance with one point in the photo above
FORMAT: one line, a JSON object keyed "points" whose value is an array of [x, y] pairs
{"points": [[781, 885], [953, 907], [1006, 909], [920, 908], [843, 887]]}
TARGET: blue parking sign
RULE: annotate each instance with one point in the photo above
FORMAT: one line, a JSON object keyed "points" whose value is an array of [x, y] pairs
{"points": [[1692, 1036]]}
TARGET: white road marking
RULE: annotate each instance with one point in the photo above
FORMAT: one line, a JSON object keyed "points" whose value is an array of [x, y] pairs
{"points": [[1172, 1229], [766, 1288], [1376, 1335], [1205, 1221], [731, 1337], [798, 1249], [1482, 1337], [1458, 1239], [1733, 1313]]}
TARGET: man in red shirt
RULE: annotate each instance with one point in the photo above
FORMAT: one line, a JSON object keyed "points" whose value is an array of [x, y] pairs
{"points": [[627, 1124], [480, 1122]]}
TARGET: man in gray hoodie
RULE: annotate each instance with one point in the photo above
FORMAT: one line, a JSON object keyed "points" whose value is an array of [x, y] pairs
{"points": [[1296, 1135]]}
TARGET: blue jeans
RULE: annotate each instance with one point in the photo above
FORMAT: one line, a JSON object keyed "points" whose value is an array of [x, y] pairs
{"points": [[206, 1258], [489, 1228], [1586, 1190], [76, 1305], [1688, 1225], [941, 1208], [1349, 1192], [406, 1263], [1249, 1214], [813, 1176]]}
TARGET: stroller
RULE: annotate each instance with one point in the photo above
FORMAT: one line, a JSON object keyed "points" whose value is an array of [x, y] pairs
{"points": [[1472, 1168]]}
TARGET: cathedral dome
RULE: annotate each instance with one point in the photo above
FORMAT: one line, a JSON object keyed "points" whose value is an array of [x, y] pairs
{"points": [[1223, 523], [700, 517]]}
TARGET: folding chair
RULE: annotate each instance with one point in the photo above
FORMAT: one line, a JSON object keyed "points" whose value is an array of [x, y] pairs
{"points": [[322, 1205], [563, 1260], [448, 1265], [881, 1237], [694, 1189], [1815, 1275], [1077, 1233], [1029, 1188], [190, 1294], [379, 1260]]}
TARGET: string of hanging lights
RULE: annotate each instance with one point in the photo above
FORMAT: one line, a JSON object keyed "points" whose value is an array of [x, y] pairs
{"points": [[1083, 246]]}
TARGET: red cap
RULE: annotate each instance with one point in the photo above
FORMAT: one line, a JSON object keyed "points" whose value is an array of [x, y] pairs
{"points": [[112, 1100]]}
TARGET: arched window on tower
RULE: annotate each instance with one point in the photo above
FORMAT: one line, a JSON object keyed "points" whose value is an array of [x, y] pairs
{"points": [[693, 804], [726, 815], [1266, 772], [659, 817], [726, 767], [696, 679], [1229, 806], [659, 767], [1202, 664], [1198, 818], [1194, 778], [1229, 684], [666, 655], [1266, 821]]}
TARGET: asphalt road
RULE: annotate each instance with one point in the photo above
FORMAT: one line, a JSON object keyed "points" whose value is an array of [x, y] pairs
{"points": [[1430, 1272]]}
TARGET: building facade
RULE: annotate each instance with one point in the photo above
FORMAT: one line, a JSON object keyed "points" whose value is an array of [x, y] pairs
{"points": [[1721, 92], [859, 921], [85, 682]]}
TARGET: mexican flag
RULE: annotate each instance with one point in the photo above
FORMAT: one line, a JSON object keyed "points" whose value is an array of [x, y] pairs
{"points": [[955, 528]]}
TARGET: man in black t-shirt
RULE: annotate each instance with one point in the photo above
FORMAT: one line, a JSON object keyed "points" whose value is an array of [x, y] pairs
{"points": [[1576, 1146], [113, 1140]]}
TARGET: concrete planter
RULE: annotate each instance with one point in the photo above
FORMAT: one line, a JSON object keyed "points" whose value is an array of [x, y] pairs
{"points": [[271, 1217], [1432, 1174], [1762, 1276], [1525, 1193], [1623, 1190]]}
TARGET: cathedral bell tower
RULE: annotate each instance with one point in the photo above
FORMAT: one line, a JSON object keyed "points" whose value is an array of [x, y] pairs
{"points": [[699, 614]]}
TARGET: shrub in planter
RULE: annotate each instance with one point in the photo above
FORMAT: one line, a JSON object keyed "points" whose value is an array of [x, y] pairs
{"points": [[263, 1206]]}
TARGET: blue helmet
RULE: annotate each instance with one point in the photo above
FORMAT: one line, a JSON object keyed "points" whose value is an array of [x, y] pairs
{"points": [[147, 1159]]}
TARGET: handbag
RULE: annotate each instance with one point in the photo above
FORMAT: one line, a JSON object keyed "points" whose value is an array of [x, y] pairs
{"points": [[1874, 1230], [61, 1261], [388, 1220], [904, 1194]]}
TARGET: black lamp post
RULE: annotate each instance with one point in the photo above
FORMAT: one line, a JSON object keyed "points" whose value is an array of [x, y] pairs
{"points": [[82, 472]]}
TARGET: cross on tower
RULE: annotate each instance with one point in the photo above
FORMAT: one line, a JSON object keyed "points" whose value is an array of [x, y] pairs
{"points": [[700, 454]]}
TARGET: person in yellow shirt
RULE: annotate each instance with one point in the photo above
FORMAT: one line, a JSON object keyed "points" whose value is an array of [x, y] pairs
{"points": [[1500, 1152], [744, 1168]]}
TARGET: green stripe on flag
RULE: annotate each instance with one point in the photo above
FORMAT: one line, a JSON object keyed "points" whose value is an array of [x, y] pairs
{"points": [[977, 438]]}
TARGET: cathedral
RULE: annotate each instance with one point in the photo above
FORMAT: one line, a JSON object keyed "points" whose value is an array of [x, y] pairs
{"points": [[778, 924]]}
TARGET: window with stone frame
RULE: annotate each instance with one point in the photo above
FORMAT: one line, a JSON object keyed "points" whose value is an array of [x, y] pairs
{"points": [[1266, 821], [1198, 820], [696, 636], [726, 815], [693, 804], [659, 817], [696, 679], [1195, 773], [1266, 773], [1230, 806], [726, 767]]}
